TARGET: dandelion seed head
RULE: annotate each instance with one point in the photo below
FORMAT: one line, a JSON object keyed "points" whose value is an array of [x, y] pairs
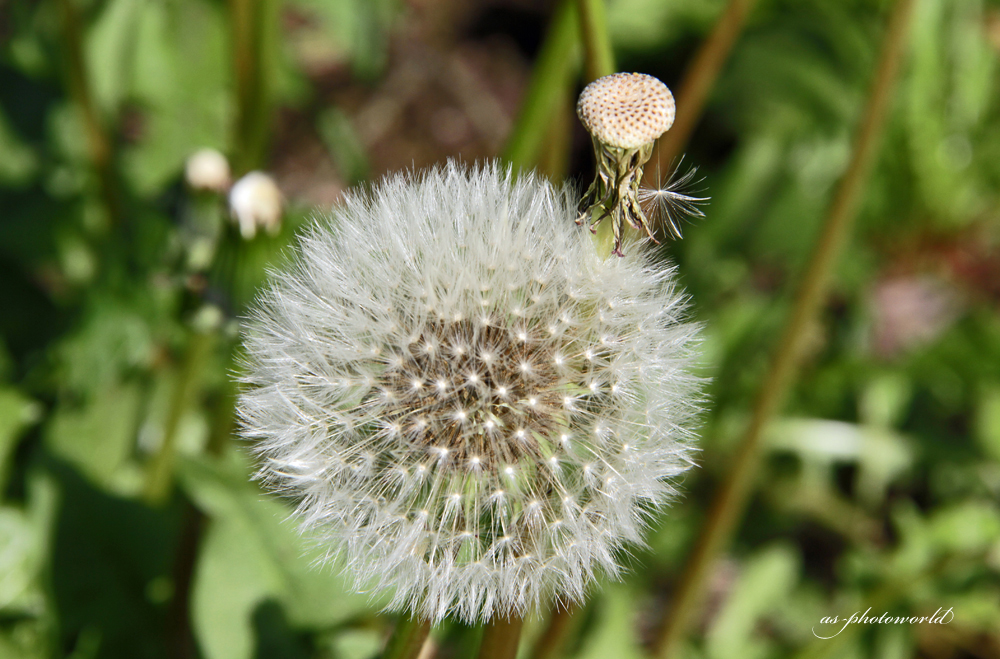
{"points": [[447, 476]]}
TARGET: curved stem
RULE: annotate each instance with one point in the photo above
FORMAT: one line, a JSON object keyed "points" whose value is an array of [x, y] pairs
{"points": [[407, 638], [699, 79], [501, 637], [730, 502]]}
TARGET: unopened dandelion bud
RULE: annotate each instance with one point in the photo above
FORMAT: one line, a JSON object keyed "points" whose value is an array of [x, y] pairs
{"points": [[625, 113], [256, 202], [475, 411], [207, 169]]}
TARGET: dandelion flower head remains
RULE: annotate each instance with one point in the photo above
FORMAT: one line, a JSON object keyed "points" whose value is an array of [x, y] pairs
{"points": [[475, 411]]}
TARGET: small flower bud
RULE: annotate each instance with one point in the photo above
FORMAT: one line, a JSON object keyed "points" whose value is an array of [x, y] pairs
{"points": [[255, 201], [625, 113], [207, 169]]}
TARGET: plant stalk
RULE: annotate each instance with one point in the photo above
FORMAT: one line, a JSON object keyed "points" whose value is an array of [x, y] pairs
{"points": [[254, 25], [98, 141], [159, 478], [407, 638], [698, 81], [553, 161], [598, 58], [554, 71], [552, 643], [501, 637], [731, 500]]}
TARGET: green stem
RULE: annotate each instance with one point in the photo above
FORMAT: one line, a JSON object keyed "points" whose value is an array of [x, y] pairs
{"points": [[159, 478], [553, 73], [698, 81], [599, 61], [731, 500], [598, 58], [501, 637], [254, 34], [98, 142], [407, 638], [552, 643], [604, 238], [553, 161]]}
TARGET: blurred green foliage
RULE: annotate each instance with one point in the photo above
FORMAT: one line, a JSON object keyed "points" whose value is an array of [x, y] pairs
{"points": [[121, 290]]}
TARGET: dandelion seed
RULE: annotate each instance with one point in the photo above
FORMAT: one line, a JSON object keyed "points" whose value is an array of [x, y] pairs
{"points": [[669, 203], [467, 500]]}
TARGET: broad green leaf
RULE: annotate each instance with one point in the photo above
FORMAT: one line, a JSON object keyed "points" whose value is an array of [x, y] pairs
{"points": [[25, 536], [181, 78], [253, 554], [25, 543], [110, 51], [98, 436]]}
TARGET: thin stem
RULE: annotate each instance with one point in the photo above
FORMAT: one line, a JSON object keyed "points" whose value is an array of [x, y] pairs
{"points": [[552, 643], [730, 502], [599, 61], [180, 638], [553, 161], [159, 478], [553, 73], [98, 141], [598, 58], [181, 643], [501, 637], [407, 638], [254, 25], [698, 81]]}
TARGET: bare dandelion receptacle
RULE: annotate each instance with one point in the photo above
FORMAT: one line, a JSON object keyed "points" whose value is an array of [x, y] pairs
{"points": [[625, 113]]}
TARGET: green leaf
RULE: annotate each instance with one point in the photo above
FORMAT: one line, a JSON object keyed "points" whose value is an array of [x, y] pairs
{"points": [[766, 580], [112, 561], [97, 437], [17, 412], [181, 80], [966, 527], [613, 634], [110, 50], [19, 163], [25, 536], [988, 422], [251, 554]]}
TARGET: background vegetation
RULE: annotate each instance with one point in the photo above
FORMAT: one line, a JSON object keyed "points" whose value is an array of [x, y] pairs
{"points": [[128, 524]]}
